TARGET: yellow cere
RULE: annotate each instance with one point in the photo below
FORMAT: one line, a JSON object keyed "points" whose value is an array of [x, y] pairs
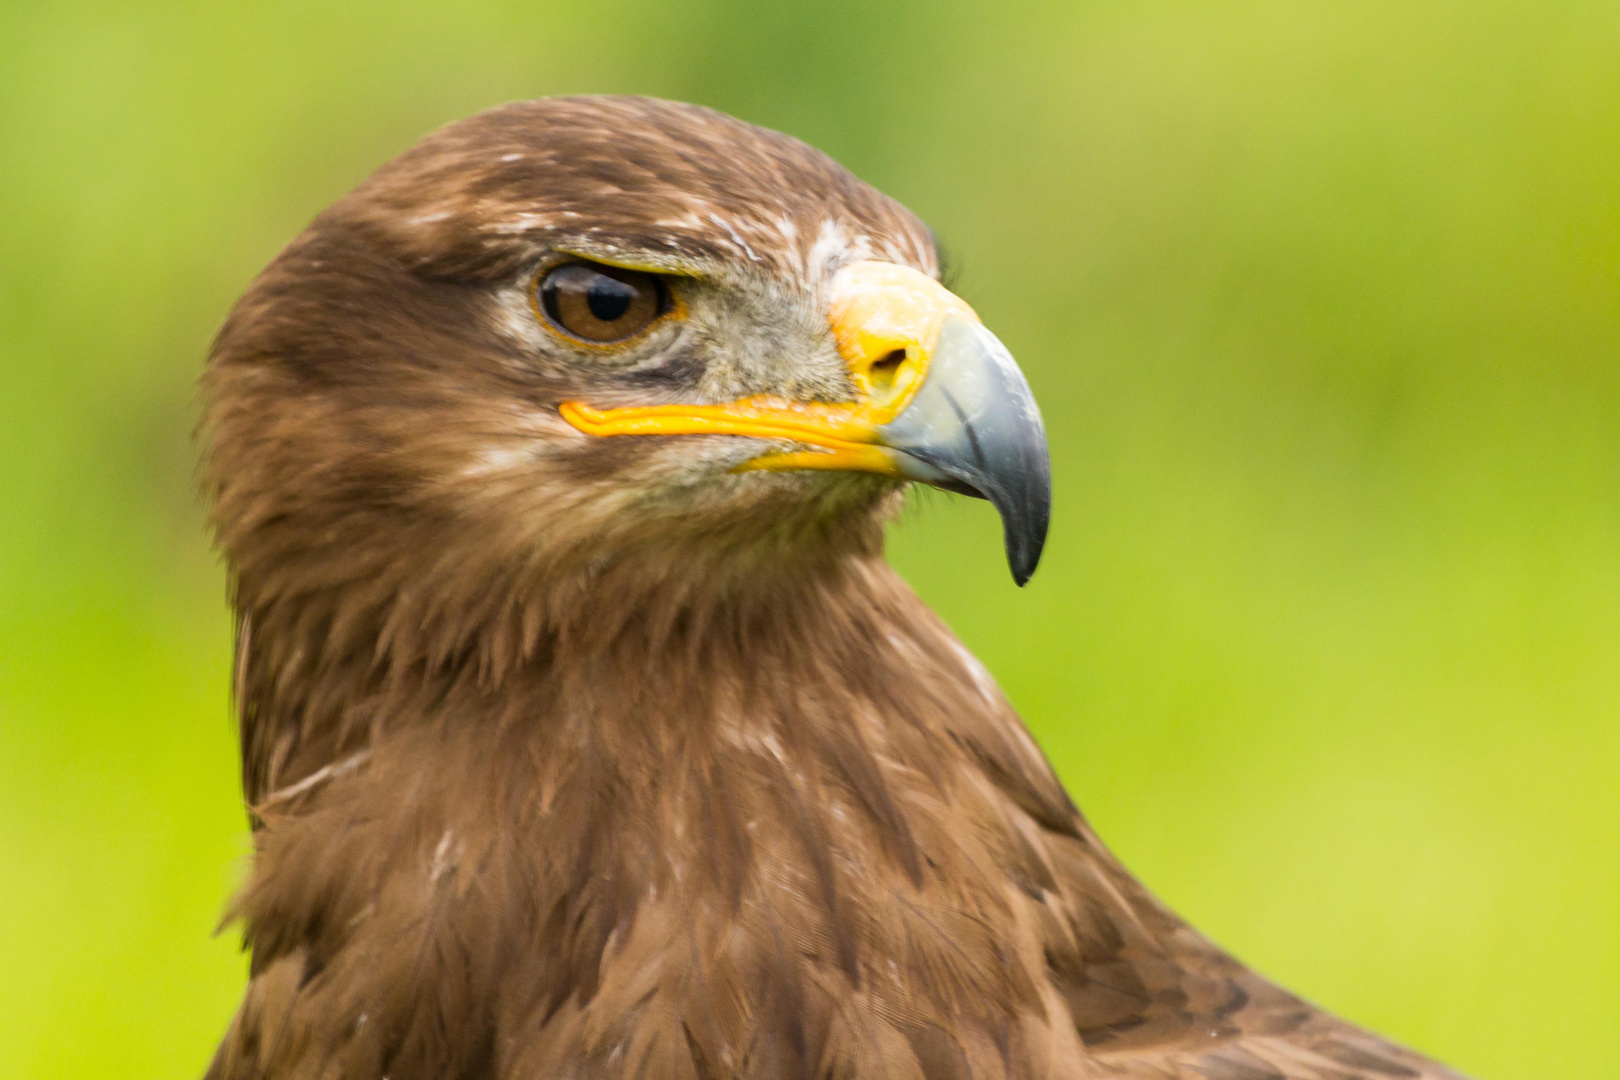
{"points": [[879, 309]]}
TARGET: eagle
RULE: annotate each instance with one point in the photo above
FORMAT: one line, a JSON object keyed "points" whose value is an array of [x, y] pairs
{"points": [[585, 730]]}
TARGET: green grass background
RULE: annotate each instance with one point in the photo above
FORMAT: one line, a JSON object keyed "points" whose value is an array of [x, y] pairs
{"points": [[1322, 302]]}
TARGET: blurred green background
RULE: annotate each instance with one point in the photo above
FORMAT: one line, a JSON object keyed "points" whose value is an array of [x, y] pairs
{"points": [[1322, 301]]}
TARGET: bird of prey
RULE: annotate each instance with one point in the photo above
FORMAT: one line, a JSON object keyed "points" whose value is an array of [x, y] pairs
{"points": [[585, 730]]}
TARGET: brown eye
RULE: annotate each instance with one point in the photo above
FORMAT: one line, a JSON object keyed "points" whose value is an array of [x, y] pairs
{"points": [[600, 303]]}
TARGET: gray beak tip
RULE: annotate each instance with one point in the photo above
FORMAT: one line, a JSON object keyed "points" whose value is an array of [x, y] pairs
{"points": [[1026, 512], [1023, 556]]}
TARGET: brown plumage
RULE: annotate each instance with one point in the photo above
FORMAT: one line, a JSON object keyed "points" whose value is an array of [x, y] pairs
{"points": [[578, 756]]}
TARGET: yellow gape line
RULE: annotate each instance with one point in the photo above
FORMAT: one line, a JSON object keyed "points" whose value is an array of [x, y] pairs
{"points": [[885, 319]]}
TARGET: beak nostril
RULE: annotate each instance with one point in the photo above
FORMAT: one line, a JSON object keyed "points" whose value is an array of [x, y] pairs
{"points": [[885, 370]]}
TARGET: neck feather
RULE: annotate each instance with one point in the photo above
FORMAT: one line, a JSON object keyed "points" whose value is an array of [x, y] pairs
{"points": [[659, 797]]}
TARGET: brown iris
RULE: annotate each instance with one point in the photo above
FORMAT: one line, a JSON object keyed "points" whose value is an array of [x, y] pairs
{"points": [[600, 303]]}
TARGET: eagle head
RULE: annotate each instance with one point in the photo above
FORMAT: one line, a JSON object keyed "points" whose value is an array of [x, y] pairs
{"points": [[579, 337]]}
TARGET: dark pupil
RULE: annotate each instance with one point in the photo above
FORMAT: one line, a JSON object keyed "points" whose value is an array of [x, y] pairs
{"points": [[607, 298]]}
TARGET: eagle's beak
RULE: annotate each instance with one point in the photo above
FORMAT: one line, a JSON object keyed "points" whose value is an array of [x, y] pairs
{"points": [[973, 427], [939, 400]]}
